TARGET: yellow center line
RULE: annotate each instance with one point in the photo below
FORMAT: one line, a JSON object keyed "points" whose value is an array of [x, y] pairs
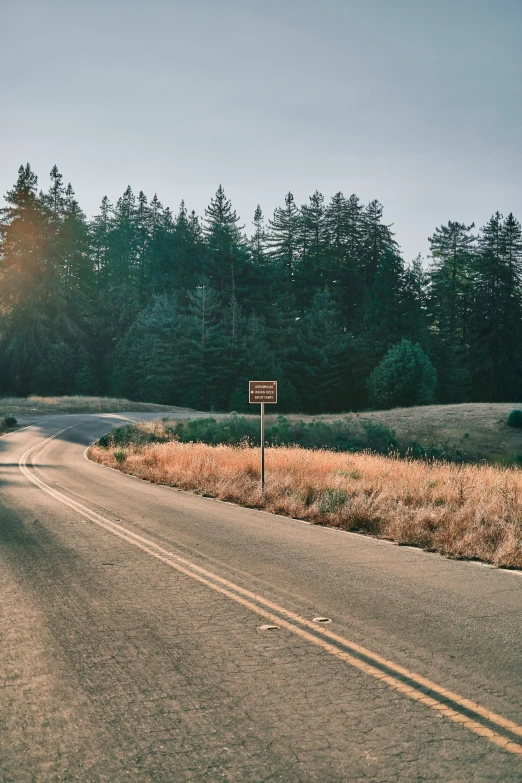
{"points": [[321, 637]]}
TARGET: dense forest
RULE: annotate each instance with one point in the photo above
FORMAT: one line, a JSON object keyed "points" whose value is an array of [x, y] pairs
{"points": [[183, 310]]}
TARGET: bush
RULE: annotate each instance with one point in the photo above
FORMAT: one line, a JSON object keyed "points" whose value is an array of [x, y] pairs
{"points": [[120, 455], [380, 438], [8, 421], [515, 419], [404, 377]]}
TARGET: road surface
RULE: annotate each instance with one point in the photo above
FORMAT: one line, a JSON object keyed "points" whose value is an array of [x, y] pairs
{"points": [[134, 643]]}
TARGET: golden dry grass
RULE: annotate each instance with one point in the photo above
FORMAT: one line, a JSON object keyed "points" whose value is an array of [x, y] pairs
{"points": [[472, 512], [30, 406]]}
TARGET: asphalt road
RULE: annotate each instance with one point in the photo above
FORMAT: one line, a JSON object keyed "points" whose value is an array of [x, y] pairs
{"points": [[132, 647]]}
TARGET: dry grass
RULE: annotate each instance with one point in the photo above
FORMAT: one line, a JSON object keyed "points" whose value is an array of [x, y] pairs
{"points": [[29, 406], [477, 429], [472, 512]]}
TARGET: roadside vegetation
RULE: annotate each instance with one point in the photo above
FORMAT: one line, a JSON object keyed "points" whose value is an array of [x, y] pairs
{"points": [[30, 406], [348, 433], [466, 433], [329, 471], [8, 424]]}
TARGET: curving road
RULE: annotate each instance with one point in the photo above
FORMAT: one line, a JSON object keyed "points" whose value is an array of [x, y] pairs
{"points": [[134, 647]]}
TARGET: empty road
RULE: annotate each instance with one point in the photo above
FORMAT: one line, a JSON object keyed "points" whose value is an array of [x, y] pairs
{"points": [[148, 634]]}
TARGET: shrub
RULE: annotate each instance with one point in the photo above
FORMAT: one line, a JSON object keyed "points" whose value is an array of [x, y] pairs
{"points": [[9, 421], [515, 419], [120, 455], [380, 438], [404, 377]]}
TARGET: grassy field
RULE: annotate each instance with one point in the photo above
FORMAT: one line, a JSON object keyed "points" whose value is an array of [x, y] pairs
{"points": [[469, 432], [32, 406], [462, 511], [478, 431]]}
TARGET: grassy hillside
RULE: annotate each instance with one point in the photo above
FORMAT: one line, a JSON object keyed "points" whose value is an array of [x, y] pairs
{"points": [[32, 406], [478, 430]]}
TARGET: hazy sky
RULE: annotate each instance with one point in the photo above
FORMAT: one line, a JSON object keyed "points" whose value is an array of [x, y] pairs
{"points": [[417, 103]]}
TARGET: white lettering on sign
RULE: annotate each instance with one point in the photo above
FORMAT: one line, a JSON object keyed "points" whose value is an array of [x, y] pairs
{"points": [[262, 391]]}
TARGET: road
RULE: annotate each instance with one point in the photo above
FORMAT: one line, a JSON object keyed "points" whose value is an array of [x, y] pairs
{"points": [[133, 647]]}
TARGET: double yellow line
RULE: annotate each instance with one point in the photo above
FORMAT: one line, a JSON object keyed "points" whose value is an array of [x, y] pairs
{"points": [[443, 701]]}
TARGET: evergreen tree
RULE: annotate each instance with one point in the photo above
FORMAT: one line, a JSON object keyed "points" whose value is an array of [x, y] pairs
{"points": [[449, 307], [258, 241], [200, 348], [404, 377], [23, 238], [143, 231], [147, 364], [100, 230], [344, 261], [312, 237], [415, 296], [375, 239], [497, 310], [283, 244], [226, 249], [122, 255]]}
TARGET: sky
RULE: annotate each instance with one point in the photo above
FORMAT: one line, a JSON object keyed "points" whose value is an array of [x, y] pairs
{"points": [[416, 103]]}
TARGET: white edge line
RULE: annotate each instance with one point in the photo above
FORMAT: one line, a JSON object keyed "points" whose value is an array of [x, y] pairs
{"points": [[18, 429]]}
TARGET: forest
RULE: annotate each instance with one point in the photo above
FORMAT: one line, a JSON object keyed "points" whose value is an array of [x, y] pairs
{"points": [[179, 309]]}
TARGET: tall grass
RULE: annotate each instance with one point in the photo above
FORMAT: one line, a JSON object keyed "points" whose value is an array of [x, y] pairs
{"points": [[464, 511]]}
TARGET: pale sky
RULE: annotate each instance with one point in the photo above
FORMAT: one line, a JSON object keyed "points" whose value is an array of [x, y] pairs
{"points": [[417, 103]]}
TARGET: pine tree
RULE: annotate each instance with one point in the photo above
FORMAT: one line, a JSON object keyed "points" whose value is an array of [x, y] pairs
{"points": [[449, 307], [142, 238], [415, 294], [100, 230], [23, 240], [283, 244], [74, 230], [226, 248], [200, 348], [147, 363], [375, 238], [122, 264], [185, 263], [385, 314], [312, 237], [344, 257], [497, 310], [258, 241]]}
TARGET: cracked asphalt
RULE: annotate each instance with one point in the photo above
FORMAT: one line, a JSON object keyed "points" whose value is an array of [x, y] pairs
{"points": [[115, 667]]}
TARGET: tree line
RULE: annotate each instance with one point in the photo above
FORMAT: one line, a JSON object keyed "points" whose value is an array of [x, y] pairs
{"points": [[177, 309]]}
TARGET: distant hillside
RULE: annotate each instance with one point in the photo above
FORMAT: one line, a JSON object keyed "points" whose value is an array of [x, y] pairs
{"points": [[478, 430], [36, 406]]}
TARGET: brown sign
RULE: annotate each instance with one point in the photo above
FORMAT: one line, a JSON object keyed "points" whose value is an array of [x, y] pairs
{"points": [[262, 391]]}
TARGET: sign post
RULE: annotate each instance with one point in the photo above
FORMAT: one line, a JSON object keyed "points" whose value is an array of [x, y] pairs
{"points": [[261, 392]]}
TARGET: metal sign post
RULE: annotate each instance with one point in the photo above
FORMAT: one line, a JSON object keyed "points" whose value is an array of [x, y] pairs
{"points": [[261, 392], [262, 446]]}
